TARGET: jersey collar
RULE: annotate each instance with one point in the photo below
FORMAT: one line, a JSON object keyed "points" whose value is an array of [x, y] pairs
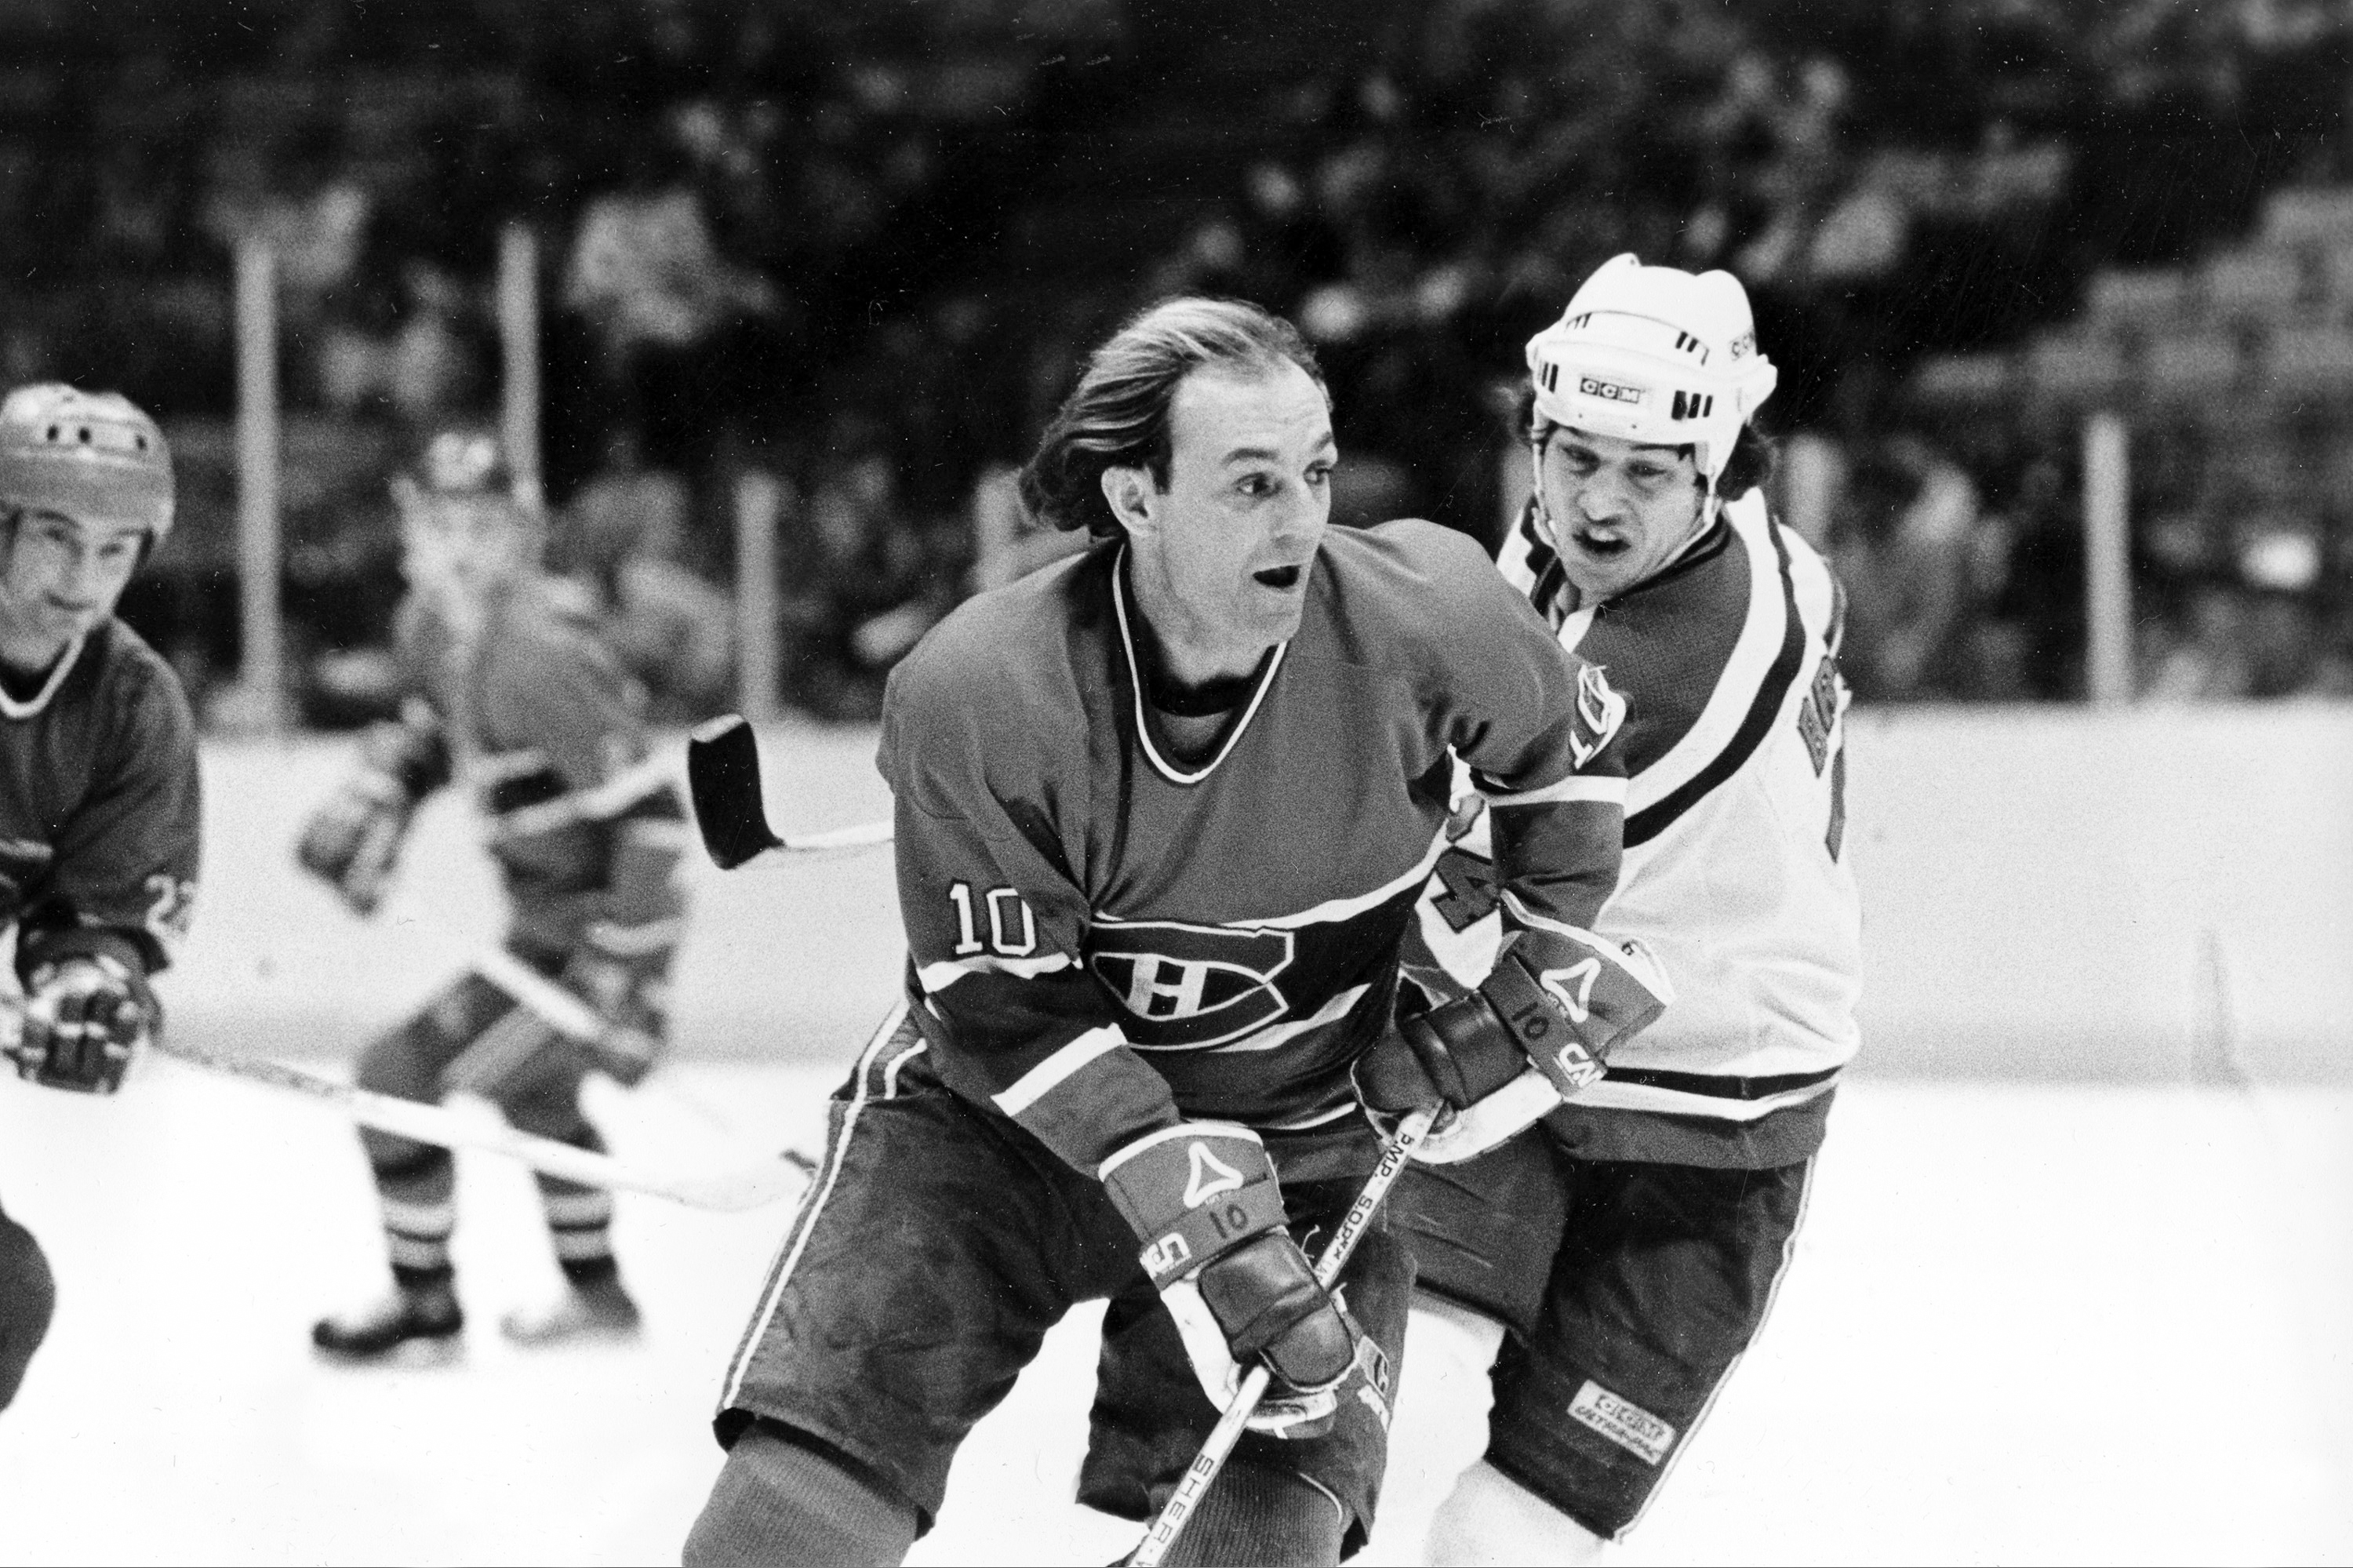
{"points": [[1160, 764], [11, 708]]}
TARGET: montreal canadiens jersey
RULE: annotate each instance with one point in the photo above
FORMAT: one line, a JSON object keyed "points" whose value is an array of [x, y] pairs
{"points": [[1736, 873], [547, 728], [99, 806], [1105, 941]]}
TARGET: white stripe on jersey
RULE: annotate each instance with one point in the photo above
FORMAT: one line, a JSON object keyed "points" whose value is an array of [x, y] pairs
{"points": [[937, 977], [1274, 1035], [1610, 1094], [1047, 1075], [1602, 791], [1761, 636]]}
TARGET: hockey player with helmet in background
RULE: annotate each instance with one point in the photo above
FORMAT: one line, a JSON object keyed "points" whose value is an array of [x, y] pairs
{"points": [[1162, 810], [1611, 1264], [513, 693], [98, 788]]}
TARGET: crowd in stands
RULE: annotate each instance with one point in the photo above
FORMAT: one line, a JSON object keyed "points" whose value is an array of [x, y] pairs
{"points": [[861, 247]]}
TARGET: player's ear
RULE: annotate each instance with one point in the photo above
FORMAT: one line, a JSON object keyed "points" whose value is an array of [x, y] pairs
{"points": [[1128, 493]]}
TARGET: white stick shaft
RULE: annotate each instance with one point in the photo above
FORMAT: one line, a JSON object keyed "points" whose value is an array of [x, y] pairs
{"points": [[856, 837], [1394, 1156], [446, 1128]]}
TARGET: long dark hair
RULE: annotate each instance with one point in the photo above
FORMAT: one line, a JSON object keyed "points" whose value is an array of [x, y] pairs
{"points": [[1117, 415]]}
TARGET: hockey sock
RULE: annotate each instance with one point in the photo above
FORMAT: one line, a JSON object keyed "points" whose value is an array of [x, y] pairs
{"points": [[419, 1198], [779, 1500], [28, 1297], [580, 1223], [1255, 1513]]}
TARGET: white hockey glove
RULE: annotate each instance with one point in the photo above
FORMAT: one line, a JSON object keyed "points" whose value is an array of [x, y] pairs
{"points": [[1203, 1197], [1504, 1056], [84, 1016]]}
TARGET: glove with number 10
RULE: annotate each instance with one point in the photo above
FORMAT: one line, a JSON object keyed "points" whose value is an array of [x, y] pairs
{"points": [[1203, 1196], [1501, 1056]]}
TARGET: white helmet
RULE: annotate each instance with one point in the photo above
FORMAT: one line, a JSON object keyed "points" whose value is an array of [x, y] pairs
{"points": [[1657, 355], [85, 454]]}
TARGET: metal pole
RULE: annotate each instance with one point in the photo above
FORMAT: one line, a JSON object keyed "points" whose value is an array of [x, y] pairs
{"points": [[519, 349], [260, 630], [759, 498], [2108, 553]]}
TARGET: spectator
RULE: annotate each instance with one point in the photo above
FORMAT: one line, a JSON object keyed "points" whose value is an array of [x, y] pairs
{"points": [[1902, 544]]}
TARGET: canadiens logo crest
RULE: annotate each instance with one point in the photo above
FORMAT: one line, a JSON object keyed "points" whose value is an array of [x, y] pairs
{"points": [[1599, 712], [1190, 986]]}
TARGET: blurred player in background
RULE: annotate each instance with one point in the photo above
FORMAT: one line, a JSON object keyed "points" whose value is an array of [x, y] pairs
{"points": [[1628, 1247], [98, 788], [513, 691], [1163, 812]]}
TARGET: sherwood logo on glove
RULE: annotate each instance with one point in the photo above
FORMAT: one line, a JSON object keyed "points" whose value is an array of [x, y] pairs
{"points": [[1190, 986]]}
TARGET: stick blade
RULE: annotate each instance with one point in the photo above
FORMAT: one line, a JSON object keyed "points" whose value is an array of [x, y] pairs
{"points": [[722, 776]]}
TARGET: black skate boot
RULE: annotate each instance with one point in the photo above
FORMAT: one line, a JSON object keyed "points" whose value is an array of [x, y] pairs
{"points": [[415, 1324], [594, 1309]]}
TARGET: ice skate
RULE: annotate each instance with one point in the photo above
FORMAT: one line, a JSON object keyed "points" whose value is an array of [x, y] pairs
{"points": [[412, 1327], [596, 1314]]}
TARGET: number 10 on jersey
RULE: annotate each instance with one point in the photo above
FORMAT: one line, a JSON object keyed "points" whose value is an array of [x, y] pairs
{"points": [[1007, 915]]}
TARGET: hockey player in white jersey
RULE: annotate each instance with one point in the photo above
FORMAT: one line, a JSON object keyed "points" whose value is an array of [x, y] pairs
{"points": [[1586, 1288]]}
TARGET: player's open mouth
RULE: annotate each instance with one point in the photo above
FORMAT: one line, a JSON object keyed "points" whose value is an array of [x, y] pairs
{"points": [[1595, 543], [1284, 577]]}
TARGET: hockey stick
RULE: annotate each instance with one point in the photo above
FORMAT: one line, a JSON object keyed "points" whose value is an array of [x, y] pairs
{"points": [[599, 803], [748, 1187], [1178, 1509], [722, 776]]}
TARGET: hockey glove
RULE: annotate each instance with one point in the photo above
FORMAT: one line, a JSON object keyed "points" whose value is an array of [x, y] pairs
{"points": [[83, 1016], [1503, 1056], [629, 997], [1203, 1197], [355, 840]]}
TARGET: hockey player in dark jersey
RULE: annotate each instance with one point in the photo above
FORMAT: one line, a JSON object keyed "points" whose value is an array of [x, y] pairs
{"points": [[98, 790], [515, 695], [1611, 1264], [1162, 810]]}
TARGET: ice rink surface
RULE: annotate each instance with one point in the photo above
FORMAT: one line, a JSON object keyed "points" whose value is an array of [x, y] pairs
{"points": [[2029, 1321], [2046, 1324]]}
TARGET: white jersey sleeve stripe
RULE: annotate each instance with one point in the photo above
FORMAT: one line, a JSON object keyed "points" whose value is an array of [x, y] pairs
{"points": [[1048, 1074], [1182, 1129], [1609, 1095], [1601, 790], [937, 977]]}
